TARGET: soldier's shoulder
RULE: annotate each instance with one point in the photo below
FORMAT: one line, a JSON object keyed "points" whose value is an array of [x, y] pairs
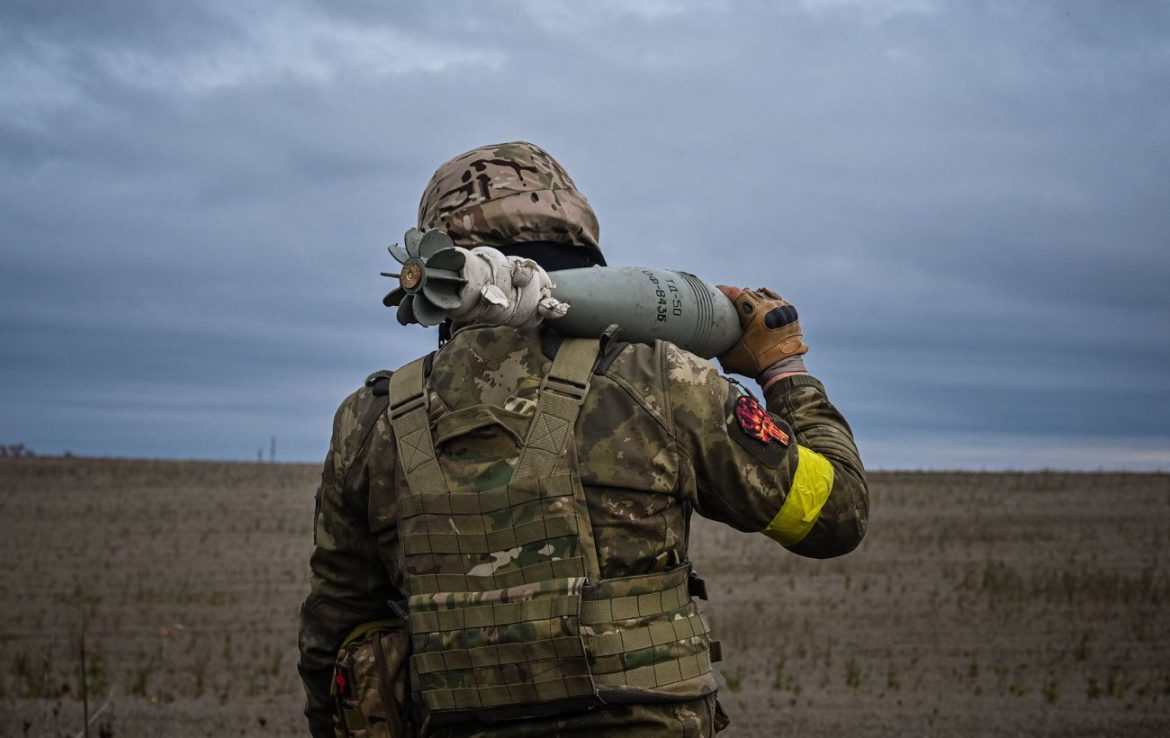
{"points": [[665, 362], [683, 367], [632, 372], [694, 386], [357, 414], [629, 360], [375, 386], [379, 382]]}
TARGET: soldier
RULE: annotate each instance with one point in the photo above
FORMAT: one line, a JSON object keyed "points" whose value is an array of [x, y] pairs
{"points": [[501, 528]]}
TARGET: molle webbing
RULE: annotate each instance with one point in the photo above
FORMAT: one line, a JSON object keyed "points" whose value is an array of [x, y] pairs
{"points": [[492, 615], [644, 633], [490, 501], [656, 676], [558, 569], [488, 541], [508, 612], [633, 606]]}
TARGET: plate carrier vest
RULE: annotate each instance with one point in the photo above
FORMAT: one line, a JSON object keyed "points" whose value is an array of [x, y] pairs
{"points": [[537, 632]]}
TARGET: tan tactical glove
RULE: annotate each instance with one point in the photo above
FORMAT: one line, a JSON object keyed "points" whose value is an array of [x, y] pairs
{"points": [[771, 334]]}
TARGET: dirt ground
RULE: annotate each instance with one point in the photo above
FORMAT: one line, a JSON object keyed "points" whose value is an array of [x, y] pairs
{"points": [[979, 604]]}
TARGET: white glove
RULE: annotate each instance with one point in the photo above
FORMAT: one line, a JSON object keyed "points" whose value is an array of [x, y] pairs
{"points": [[505, 290]]}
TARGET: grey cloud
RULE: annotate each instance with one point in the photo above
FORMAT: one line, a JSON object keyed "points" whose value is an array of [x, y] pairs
{"points": [[967, 202]]}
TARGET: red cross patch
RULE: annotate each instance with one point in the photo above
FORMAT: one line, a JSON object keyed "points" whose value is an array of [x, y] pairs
{"points": [[757, 423]]}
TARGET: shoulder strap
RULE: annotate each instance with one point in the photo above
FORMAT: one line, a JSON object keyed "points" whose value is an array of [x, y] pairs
{"points": [[562, 393], [550, 436], [412, 433]]}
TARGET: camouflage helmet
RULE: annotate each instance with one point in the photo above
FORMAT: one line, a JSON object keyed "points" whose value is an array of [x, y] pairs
{"points": [[508, 193]]}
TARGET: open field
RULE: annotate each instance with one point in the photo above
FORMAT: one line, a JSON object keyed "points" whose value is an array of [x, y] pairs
{"points": [[980, 604]]}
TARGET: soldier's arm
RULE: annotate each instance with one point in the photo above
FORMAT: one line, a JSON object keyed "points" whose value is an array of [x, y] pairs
{"points": [[795, 477], [840, 525], [349, 585]]}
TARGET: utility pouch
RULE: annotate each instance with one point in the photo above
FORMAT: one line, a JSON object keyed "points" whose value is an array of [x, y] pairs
{"points": [[370, 688]]}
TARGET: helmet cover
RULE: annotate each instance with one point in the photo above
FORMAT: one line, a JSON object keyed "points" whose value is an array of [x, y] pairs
{"points": [[505, 194]]}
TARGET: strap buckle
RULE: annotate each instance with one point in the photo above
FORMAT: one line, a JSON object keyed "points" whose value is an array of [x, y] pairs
{"points": [[410, 404], [572, 390]]}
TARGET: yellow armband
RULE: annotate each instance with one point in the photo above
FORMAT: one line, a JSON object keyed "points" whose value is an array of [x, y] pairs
{"points": [[810, 489]]}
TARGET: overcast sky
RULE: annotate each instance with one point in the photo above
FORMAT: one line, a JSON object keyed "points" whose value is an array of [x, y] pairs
{"points": [[969, 202]]}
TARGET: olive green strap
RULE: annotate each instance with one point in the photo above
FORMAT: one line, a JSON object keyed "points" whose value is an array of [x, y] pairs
{"points": [[550, 447], [562, 393], [658, 675], [412, 431], [634, 606], [661, 633]]}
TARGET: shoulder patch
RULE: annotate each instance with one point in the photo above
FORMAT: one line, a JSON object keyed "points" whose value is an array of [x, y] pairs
{"points": [[764, 435], [757, 422]]}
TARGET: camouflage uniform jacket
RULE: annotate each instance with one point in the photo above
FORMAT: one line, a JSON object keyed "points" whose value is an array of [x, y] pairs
{"points": [[661, 434]]}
